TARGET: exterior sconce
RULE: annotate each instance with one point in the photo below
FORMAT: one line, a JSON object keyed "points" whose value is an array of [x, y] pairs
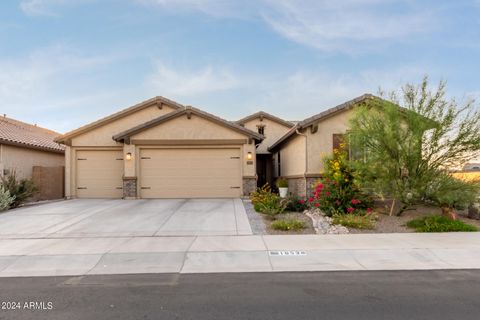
{"points": [[129, 156], [249, 156]]}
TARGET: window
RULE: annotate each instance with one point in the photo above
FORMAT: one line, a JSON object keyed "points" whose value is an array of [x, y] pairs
{"points": [[261, 129]]}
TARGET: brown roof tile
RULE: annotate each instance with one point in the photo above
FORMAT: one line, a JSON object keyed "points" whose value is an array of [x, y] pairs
{"points": [[14, 132]]}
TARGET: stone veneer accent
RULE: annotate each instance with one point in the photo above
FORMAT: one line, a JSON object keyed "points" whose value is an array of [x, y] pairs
{"points": [[302, 187], [249, 185], [310, 185], [296, 186], [130, 187]]}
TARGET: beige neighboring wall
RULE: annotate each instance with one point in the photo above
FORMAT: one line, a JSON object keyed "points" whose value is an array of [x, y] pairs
{"points": [[320, 143], [292, 157], [23, 159], [273, 132]]}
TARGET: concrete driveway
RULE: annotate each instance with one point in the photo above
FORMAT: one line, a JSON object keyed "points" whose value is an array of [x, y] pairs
{"points": [[120, 218]]}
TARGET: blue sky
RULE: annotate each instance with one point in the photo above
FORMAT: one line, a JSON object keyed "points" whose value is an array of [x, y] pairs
{"points": [[64, 63]]}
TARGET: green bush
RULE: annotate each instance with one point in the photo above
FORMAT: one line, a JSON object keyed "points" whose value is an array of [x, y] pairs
{"points": [[357, 221], [6, 199], [337, 191], [281, 183], [272, 205], [267, 202], [287, 225], [259, 195], [296, 203], [21, 190], [439, 223]]}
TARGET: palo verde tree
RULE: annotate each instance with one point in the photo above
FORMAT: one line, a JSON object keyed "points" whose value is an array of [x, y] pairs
{"points": [[410, 139]]}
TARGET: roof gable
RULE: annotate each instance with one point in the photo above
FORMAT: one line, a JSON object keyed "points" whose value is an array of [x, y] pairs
{"points": [[158, 101], [18, 133], [188, 111], [321, 116], [262, 114]]}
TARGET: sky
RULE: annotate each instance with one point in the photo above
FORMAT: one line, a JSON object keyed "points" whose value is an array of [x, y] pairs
{"points": [[65, 63]]}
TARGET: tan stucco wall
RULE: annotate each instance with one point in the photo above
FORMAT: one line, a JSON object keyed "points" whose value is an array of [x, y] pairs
{"points": [[292, 157], [195, 128], [22, 160], [320, 143], [273, 132], [102, 136]]}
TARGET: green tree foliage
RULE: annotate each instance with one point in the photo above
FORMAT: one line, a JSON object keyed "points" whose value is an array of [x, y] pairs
{"points": [[408, 150]]}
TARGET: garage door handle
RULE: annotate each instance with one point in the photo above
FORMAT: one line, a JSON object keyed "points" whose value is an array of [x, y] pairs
{"points": [[82, 188], [234, 187], [144, 188], [145, 158], [119, 159], [234, 157], [119, 188], [82, 159]]}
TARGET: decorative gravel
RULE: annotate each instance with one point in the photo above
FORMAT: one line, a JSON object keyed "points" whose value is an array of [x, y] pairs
{"points": [[256, 221]]}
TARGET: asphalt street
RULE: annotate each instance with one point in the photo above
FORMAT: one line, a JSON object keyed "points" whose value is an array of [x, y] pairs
{"points": [[303, 295]]}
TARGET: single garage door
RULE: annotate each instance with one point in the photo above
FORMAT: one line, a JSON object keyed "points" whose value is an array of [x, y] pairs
{"points": [[99, 174], [190, 173]]}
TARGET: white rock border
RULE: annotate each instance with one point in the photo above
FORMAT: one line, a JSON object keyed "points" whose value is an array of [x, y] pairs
{"points": [[323, 224]]}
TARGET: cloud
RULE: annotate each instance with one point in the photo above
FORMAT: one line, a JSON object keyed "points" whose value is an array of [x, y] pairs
{"points": [[39, 7], [51, 85], [185, 83], [331, 26], [215, 8], [345, 25]]}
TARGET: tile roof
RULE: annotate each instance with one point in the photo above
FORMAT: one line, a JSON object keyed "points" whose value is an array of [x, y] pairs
{"points": [[19, 133], [320, 116]]}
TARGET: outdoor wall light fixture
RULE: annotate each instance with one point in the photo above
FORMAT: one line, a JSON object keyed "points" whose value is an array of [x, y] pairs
{"points": [[249, 156], [129, 156]]}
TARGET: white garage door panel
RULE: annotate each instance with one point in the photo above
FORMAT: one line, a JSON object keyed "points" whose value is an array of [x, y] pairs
{"points": [[190, 173], [99, 174]]}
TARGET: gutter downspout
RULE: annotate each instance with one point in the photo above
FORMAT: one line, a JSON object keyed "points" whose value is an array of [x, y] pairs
{"points": [[306, 157]]}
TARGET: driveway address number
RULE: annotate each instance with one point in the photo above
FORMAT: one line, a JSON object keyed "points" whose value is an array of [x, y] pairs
{"points": [[287, 253]]}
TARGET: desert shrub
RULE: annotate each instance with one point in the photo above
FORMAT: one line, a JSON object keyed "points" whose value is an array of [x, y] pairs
{"points": [[446, 190], [337, 191], [296, 203], [6, 199], [259, 195], [287, 225], [439, 223], [272, 205], [21, 190], [357, 221]]}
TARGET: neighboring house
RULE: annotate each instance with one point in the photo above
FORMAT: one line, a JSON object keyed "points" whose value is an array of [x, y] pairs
{"points": [[24, 147], [160, 149], [299, 153], [473, 166], [272, 128]]}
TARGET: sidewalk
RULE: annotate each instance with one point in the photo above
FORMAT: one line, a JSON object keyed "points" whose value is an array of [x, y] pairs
{"points": [[212, 254]]}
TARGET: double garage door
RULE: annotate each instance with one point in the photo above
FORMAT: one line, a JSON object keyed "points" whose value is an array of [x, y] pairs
{"points": [[163, 173]]}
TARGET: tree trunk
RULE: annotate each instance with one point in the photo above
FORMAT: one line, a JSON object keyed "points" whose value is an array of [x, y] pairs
{"points": [[449, 212]]}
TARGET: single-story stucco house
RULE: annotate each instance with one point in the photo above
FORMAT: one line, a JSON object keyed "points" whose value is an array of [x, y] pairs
{"points": [[162, 149], [24, 148], [299, 154]]}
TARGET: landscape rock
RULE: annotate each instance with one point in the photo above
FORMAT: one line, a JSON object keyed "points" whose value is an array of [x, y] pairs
{"points": [[324, 224]]}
